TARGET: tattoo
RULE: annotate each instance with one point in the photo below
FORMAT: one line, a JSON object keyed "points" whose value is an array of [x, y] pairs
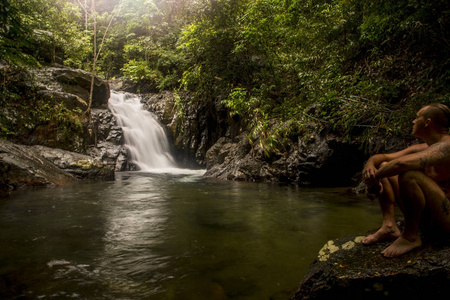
{"points": [[446, 206], [423, 162], [444, 150], [438, 152]]}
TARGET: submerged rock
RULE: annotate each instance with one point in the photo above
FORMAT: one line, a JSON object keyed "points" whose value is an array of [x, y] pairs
{"points": [[346, 269]]}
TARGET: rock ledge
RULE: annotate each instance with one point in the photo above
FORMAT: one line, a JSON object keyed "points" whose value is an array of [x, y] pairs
{"points": [[347, 269], [22, 166]]}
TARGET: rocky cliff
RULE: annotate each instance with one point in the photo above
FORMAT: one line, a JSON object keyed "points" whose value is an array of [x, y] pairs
{"points": [[319, 161], [42, 116], [208, 137], [47, 106]]}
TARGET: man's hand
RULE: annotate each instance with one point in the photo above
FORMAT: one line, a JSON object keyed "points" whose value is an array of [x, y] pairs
{"points": [[369, 173], [373, 185]]}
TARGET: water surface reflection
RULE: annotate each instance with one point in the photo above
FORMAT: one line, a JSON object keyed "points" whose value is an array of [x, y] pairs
{"points": [[169, 236]]}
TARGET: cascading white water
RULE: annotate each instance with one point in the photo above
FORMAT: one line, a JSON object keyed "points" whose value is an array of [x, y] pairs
{"points": [[144, 136]]}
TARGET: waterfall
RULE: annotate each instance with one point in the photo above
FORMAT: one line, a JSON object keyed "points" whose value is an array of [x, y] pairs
{"points": [[143, 135]]}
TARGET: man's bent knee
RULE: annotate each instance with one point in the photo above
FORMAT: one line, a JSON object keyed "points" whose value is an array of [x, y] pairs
{"points": [[411, 176]]}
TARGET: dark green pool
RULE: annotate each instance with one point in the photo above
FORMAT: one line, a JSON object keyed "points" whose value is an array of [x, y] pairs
{"points": [[169, 236]]}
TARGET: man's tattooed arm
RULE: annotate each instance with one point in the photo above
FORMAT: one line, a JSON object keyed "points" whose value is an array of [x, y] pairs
{"points": [[423, 162], [436, 153]]}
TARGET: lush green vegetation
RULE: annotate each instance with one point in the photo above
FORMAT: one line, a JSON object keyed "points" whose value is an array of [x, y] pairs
{"points": [[285, 67]]}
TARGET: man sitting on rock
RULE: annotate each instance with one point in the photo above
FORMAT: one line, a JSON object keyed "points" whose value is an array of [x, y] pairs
{"points": [[418, 178]]}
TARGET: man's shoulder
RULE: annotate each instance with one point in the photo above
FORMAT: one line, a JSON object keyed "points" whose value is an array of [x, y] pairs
{"points": [[444, 142], [416, 148], [444, 145]]}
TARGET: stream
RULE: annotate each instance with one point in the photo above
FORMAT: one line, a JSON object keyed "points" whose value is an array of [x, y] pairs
{"points": [[169, 236], [168, 233]]}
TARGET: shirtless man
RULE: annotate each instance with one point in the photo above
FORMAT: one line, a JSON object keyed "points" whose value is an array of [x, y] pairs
{"points": [[418, 178]]}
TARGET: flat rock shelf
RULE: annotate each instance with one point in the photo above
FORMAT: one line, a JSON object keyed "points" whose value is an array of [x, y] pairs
{"points": [[346, 268]]}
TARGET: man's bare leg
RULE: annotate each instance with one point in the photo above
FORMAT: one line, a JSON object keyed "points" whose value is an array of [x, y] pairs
{"points": [[388, 229], [416, 191]]}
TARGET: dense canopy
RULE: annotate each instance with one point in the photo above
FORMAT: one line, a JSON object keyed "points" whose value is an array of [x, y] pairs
{"points": [[282, 67]]}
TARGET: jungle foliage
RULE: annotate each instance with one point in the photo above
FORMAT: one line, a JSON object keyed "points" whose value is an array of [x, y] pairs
{"points": [[284, 67]]}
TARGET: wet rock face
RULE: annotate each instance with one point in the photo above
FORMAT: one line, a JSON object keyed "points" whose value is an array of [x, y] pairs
{"points": [[322, 161], [206, 136], [346, 269], [162, 105], [104, 128], [51, 101], [192, 128], [106, 141], [79, 165], [78, 82], [22, 165]]}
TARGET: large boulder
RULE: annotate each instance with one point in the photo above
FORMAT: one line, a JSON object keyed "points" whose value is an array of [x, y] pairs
{"points": [[346, 269], [78, 82], [22, 166], [71, 87], [79, 165], [70, 101]]}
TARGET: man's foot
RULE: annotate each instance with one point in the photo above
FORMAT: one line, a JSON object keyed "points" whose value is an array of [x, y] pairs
{"points": [[401, 246], [384, 233]]}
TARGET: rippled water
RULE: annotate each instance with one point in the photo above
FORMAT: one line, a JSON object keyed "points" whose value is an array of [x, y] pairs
{"points": [[169, 236]]}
